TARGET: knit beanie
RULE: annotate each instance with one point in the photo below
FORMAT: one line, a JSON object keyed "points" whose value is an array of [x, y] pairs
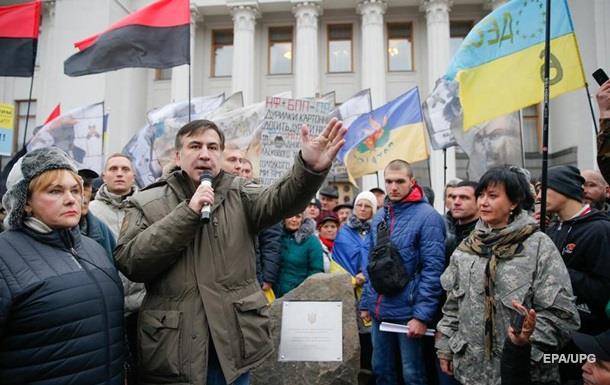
{"points": [[24, 170], [567, 181], [369, 197]]}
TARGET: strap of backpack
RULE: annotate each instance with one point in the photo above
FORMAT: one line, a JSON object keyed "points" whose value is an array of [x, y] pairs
{"points": [[383, 235]]}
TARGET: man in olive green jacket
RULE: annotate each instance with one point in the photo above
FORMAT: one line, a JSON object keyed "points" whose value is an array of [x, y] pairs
{"points": [[204, 319]]}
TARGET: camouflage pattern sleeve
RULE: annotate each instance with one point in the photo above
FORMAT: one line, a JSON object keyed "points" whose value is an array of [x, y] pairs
{"points": [[603, 148], [557, 315], [448, 325]]}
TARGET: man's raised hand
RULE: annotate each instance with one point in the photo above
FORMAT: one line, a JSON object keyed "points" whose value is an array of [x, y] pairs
{"points": [[319, 152]]}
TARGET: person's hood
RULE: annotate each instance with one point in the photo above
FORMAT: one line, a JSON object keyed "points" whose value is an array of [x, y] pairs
{"points": [[114, 200], [415, 195]]}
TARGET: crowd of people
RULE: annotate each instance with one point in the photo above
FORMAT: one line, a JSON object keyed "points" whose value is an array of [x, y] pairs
{"points": [[108, 284]]}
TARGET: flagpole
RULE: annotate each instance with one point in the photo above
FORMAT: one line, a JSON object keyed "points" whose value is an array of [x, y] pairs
{"points": [[104, 134], [444, 167], [545, 119], [521, 137], [27, 114], [591, 108], [189, 92]]}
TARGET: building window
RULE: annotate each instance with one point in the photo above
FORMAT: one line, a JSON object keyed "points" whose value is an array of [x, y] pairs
{"points": [[163, 74], [280, 50], [340, 48], [400, 47], [532, 131], [222, 53], [457, 32], [21, 117]]}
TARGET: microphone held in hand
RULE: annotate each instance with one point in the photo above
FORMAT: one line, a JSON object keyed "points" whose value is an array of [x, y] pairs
{"points": [[205, 180]]}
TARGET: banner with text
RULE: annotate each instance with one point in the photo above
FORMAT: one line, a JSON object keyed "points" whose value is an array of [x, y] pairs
{"points": [[281, 133], [7, 119]]}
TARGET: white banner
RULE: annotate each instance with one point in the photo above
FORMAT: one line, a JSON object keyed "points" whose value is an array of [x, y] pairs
{"points": [[79, 132]]}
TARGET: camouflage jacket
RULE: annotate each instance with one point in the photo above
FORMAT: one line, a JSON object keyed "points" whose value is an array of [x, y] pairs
{"points": [[538, 274], [603, 148]]}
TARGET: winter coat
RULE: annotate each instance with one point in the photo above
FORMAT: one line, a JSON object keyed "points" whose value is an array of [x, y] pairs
{"points": [[584, 244], [61, 310], [418, 232], [97, 230], [201, 278], [537, 274], [110, 209], [268, 254], [301, 257]]}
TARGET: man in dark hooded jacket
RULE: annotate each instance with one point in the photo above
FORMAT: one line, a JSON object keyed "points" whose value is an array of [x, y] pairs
{"points": [[582, 236]]}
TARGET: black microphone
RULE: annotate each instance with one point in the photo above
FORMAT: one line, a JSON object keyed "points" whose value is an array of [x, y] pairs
{"points": [[205, 180]]}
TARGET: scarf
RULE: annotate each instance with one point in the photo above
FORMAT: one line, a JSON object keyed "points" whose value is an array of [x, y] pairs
{"points": [[37, 225], [328, 243], [359, 226], [494, 244]]}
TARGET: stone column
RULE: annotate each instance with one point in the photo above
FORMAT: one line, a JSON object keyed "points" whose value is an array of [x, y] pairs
{"points": [[437, 24], [180, 74], [242, 75], [307, 75], [373, 52]]}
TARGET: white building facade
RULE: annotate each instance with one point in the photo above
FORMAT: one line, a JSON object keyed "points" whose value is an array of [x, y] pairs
{"points": [[309, 47]]}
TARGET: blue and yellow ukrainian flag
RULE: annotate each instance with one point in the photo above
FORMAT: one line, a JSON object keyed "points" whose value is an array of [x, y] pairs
{"points": [[499, 66], [392, 131]]}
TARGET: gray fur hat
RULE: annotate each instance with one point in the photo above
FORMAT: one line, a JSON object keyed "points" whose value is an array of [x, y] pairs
{"points": [[24, 170]]}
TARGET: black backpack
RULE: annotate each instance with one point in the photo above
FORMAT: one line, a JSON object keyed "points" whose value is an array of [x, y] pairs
{"points": [[386, 271]]}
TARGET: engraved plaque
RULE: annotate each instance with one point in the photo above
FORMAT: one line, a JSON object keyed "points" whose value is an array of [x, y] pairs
{"points": [[311, 331]]}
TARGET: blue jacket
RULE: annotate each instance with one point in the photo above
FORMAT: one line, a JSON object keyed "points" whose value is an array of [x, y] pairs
{"points": [[61, 310], [418, 232], [92, 227]]}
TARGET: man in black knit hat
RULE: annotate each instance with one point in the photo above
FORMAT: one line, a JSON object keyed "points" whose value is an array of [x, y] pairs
{"points": [[582, 236]]}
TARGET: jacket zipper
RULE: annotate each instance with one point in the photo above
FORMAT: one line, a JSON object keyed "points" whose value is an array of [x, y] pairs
{"points": [[105, 307]]}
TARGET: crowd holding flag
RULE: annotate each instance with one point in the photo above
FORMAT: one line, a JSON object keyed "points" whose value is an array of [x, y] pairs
{"points": [[496, 71], [156, 36], [392, 131], [19, 28]]}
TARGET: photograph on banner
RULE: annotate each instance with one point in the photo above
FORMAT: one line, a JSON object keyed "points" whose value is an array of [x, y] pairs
{"points": [[139, 149], [166, 122], [442, 112], [281, 133], [7, 121], [152, 148], [78, 132], [493, 143]]}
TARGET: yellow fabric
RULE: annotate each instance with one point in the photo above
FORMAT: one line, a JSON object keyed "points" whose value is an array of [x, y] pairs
{"points": [[270, 295], [406, 142], [515, 81]]}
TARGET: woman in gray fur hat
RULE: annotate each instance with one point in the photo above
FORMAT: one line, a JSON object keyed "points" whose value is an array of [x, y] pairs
{"points": [[61, 300]]}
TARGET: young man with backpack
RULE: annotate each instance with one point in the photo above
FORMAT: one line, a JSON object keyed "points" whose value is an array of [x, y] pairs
{"points": [[406, 249]]}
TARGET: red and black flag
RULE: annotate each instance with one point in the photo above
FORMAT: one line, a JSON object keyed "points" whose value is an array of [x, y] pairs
{"points": [[156, 36], [18, 38]]}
